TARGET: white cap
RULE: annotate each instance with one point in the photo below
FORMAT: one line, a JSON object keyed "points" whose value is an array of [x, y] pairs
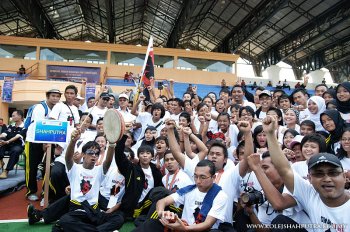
{"points": [[297, 140], [124, 96], [79, 97]]}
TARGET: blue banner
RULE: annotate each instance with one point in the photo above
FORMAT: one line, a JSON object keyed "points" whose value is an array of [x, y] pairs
{"points": [[51, 131], [73, 73], [7, 89], [90, 90]]}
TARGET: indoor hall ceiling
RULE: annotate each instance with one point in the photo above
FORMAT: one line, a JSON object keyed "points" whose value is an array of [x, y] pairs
{"points": [[307, 34]]}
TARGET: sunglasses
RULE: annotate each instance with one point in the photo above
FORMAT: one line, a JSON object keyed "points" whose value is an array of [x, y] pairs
{"points": [[92, 152]]}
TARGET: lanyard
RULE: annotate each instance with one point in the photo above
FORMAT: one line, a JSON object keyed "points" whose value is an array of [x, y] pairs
{"points": [[170, 186], [218, 176]]}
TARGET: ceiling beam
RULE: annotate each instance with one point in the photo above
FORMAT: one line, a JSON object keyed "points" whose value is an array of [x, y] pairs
{"points": [[110, 20], [180, 23], [250, 25], [33, 11]]}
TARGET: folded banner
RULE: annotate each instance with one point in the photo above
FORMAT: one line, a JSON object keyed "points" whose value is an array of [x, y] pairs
{"points": [[7, 89]]}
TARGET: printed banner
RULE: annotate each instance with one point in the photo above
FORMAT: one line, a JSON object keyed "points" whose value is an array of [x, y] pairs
{"points": [[51, 131], [90, 90], [73, 73], [7, 89]]}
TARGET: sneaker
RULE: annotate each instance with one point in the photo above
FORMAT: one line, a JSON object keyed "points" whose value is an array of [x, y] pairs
{"points": [[33, 197], [33, 214]]}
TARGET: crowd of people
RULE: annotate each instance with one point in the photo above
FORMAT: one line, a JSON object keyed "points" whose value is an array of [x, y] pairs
{"points": [[232, 162]]}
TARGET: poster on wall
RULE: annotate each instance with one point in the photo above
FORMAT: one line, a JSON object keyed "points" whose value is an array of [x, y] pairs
{"points": [[73, 73], [90, 90], [7, 89]]}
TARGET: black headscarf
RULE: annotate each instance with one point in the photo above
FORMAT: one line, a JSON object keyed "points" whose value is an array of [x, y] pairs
{"points": [[335, 135], [343, 107]]}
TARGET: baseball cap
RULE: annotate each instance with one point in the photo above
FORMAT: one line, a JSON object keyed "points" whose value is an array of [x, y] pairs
{"points": [[297, 140], [54, 91], [265, 92], [124, 96], [324, 158], [104, 95], [79, 97]]}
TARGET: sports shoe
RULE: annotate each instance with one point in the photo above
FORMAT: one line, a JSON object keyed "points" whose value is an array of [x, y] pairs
{"points": [[4, 174], [33, 197], [33, 214]]}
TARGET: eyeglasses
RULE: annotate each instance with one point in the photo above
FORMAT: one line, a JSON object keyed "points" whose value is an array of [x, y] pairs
{"points": [[92, 152], [105, 98], [322, 174], [201, 177]]}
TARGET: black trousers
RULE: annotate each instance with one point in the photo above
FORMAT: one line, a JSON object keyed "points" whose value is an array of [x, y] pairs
{"points": [[56, 210], [13, 151], [288, 222], [34, 155], [77, 221], [58, 182]]}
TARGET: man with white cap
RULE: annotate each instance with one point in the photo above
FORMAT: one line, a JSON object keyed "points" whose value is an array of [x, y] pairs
{"points": [[123, 108], [34, 151], [265, 101]]}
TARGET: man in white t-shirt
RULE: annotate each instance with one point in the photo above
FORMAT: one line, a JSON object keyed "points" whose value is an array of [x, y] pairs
{"points": [[66, 111], [85, 181], [237, 97], [323, 197], [123, 108], [35, 151], [204, 203], [100, 109]]}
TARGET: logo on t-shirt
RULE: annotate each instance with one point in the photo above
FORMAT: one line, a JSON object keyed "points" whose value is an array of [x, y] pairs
{"points": [[115, 190], [85, 186], [145, 184]]}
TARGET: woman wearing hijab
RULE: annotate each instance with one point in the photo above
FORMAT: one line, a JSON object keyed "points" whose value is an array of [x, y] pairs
{"points": [[315, 106], [334, 124], [343, 100]]}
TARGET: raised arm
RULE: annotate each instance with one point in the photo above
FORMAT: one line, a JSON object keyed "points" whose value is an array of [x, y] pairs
{"points": [[279, 160], [134, 110], [173, 145], [278, 200], [122, 162], [248, 146], [109, 158], [70, 149], [187, 144]]}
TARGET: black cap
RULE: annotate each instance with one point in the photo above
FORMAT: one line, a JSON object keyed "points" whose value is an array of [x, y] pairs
{"points": [[324, 158], [104, 95]]}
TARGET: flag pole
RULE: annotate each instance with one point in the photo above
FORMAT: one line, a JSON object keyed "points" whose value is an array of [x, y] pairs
{"points": [[150, 46]]}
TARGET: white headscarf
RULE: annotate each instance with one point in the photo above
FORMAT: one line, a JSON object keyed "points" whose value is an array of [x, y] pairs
{"points": [[321, 105]]}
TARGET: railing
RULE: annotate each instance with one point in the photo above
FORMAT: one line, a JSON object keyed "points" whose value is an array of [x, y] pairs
{"points": [[32, 68]]}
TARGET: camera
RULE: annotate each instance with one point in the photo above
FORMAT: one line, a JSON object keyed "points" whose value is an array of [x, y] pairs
{"points": [[160, 85], [252, 197]]}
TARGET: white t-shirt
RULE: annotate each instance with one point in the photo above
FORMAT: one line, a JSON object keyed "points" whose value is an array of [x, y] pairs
{"points": [[229, 181], [232, 133], [85, 183], [301, 169], [128, 117], [346, 163], [113, 186], [97, 113], [37, 115], [181, 180], [62, 112], [149, 182], [332, 218], [192, 202], [145, 119]]}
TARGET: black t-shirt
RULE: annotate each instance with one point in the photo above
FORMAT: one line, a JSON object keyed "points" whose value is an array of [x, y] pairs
{"points": [[12, 131]]}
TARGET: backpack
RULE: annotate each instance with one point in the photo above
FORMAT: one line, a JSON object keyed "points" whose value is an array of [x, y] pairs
{"points": [[28, 119]]}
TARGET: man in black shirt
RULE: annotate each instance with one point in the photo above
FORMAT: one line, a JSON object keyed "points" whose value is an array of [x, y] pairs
{"points": [[12, 142]]}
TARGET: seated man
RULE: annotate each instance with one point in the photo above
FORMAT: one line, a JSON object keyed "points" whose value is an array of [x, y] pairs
{"points": [[204, 204], [85, 179], [11, 142]]}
